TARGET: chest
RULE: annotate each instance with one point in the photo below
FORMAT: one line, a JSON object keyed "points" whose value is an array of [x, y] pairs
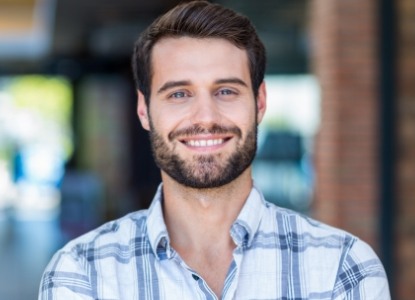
{"points": [[262, 274], [254, 275]]}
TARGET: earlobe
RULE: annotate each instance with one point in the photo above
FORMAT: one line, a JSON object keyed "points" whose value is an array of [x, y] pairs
{"points": [[142, 111], [261, 101]]}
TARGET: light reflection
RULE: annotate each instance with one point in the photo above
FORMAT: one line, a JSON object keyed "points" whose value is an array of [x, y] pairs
{"points": [[35, 143], [7, 188], [282, 168]]}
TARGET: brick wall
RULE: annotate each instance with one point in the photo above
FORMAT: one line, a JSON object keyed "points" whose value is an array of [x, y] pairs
{"points": [[345, 59], [405, 160]]}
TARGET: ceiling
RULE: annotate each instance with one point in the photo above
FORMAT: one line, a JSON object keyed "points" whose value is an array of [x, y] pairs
{"points": [[108, 28], [102, 26]]}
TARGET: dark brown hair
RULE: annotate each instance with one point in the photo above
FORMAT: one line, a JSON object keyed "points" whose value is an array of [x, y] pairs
{"points": [[198, 19]]}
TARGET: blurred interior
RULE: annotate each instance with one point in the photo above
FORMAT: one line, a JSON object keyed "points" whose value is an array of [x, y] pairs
{"points": [[73, 154]]}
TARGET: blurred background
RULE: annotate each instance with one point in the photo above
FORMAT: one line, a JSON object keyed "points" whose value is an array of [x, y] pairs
{"points": [[337, 142]]}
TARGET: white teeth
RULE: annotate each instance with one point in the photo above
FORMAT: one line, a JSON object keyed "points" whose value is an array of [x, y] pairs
{"points": [[204, 143]]}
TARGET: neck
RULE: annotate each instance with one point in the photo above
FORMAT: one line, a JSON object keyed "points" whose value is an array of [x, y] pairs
{"points": [[199, 221], [196, 217]]}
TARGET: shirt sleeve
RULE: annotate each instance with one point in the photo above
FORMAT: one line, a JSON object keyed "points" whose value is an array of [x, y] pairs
{"points": [[370, 288], [361, 275], [64, 278]]}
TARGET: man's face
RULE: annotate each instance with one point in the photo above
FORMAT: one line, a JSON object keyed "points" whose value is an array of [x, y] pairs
{"points": [[202, 115]]}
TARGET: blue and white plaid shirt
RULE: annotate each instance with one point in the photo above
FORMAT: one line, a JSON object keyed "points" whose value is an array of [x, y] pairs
{"points": [[279, 255]]}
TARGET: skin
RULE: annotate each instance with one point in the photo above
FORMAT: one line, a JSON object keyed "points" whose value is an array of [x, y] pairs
{"points": [[203, 83]]}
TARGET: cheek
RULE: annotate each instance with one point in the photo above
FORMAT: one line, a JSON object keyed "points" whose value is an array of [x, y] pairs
{"points": [[163, 127], [242, 116], [168, 117], [160, 119]]}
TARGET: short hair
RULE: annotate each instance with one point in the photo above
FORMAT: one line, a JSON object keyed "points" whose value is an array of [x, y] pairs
{"points": [[198, 19]]}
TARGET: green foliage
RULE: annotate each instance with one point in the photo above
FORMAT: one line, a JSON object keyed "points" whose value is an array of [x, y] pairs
{"points": [[51, 97]]}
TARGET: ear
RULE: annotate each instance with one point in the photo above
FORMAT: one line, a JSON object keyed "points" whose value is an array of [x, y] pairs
{"points": [[261, 101], [142, 111]]}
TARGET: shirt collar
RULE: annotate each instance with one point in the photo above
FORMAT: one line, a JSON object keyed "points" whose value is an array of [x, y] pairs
{"points": [[247, 223], [156, 227], [243, 229]]}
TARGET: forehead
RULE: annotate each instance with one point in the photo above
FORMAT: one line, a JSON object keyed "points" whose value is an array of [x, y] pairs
{"points": [[194, 57]]}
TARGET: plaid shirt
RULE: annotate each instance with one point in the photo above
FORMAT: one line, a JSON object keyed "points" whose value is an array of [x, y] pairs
{"points": [[279, 255]]}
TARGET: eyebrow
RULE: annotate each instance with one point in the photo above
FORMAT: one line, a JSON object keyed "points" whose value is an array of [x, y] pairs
{"points": [[233, 80], [173, 84]]}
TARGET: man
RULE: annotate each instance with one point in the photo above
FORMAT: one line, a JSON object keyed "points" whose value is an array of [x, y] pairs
{"points": [[208, 233]]}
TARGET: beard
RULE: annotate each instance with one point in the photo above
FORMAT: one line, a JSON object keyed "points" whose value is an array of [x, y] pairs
{"points": [[204, 171]]}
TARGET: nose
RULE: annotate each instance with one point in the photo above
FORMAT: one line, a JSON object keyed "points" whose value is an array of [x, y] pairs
{"points": [[205, 110]]}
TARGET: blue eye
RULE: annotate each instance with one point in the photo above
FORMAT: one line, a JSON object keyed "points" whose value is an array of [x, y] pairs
{"points": [[178, 95], [226, 92]]}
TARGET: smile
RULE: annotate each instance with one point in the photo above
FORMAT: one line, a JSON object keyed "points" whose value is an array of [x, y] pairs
{"points": [[204, 143]]}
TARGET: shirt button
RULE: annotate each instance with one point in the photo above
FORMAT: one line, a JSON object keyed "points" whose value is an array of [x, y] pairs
{"points": [[195, 277]]}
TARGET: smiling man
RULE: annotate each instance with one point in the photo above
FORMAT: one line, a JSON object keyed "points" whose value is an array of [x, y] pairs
{"points": [[209, 233]]}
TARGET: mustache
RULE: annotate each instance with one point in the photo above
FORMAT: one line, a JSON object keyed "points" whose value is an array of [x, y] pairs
{"points": [[198, 129]]}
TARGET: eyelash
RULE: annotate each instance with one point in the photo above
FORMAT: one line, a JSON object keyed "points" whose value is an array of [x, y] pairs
{"points": [[175, 95], [226, 92], [183, 94]]}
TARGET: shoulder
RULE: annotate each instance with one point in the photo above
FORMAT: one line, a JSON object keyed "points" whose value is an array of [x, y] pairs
{"points": [[116, 230], [340, 257], [74, 268], [311, 233], [113, 236], [296, 225]]}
